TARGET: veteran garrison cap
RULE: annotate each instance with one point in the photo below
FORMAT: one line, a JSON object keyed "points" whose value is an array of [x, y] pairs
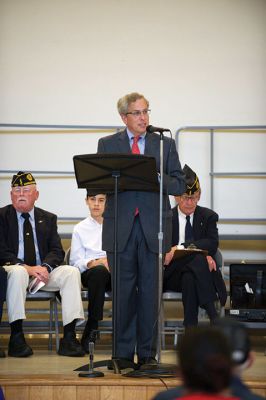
{"points": [[23, 179], [237, 335], [192, 181]]}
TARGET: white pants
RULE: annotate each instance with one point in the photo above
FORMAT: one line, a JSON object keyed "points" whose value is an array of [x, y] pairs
{"points": [[64, 278]]}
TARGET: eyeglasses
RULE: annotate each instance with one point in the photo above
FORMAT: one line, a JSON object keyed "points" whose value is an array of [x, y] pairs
{"points": [[21, 189], [194, 198], [138, 113]]}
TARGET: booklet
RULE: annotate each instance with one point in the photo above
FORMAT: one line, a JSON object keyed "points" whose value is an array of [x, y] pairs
{"points": [[179, 253], [35, 285]]}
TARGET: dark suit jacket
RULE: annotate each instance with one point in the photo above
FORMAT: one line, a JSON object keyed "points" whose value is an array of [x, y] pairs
{"points": [[205, 234], [146, 202], [205, 231], [49, 243]]}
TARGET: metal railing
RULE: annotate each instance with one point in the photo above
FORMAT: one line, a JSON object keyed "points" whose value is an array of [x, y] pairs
{"points": [[212, 130]]}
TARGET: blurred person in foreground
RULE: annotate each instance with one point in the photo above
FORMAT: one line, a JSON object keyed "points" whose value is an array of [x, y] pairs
{"points": [[87, 255], [31, 249], [205, 364], [242, 357]]}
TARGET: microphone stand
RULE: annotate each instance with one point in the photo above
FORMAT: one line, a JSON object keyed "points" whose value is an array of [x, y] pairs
{"points": [[160, 255], [170, 369], [91, 373]]}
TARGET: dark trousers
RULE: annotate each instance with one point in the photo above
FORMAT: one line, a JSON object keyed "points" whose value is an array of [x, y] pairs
{"points": [[192, 277], [98, 281], [137, 297], [3, 287]]}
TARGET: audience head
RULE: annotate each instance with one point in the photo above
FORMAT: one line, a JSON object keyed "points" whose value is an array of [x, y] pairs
{"points": [[239, 341], [24, 192], [205, 360], [189, 200], [134, 111], [96, 203]]}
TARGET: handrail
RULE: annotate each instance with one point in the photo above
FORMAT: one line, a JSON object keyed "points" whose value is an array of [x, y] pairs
{"points": [[70, 128], [60, 126], [215, 129]]}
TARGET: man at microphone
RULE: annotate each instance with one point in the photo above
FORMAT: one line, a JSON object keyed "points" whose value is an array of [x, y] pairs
{"points": [[138, 227]]}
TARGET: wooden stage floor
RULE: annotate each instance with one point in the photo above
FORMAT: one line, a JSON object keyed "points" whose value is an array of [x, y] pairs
{"points": [[45, 375]]}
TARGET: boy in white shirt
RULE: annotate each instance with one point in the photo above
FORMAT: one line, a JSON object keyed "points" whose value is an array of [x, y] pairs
{"points": [[87, 255]]}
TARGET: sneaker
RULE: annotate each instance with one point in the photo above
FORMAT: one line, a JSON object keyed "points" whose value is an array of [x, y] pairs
{"points": [[17, 346], [88, 338], [69, 346]]}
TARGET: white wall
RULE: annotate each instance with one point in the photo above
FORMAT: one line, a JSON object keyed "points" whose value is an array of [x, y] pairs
{"points": [[199, 62]]}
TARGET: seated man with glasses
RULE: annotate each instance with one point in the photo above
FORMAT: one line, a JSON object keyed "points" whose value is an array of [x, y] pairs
{"points": [[194, 275], [31, 250]]}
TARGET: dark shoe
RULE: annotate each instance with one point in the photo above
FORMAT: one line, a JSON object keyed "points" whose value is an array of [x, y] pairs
{"points": [[17, 346], [69, 346], [121, 363], [145, 362], [211, 311], [2, 353], [88, 338]]}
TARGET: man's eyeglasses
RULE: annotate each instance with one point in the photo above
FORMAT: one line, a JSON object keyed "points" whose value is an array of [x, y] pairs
{"points": [[21, 189], [186, 198], [138, 113]]}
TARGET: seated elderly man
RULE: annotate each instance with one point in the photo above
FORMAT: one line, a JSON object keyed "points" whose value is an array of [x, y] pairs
{"points": [[194, 274], [30, 248]]}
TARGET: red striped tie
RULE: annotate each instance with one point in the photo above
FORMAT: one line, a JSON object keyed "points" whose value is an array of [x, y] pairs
{"points": [[135, 150], [135, 147]]}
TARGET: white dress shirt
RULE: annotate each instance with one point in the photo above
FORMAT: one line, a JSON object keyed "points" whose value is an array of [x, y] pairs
{"points": [[182, 225], [86, 243], [21, 221]]}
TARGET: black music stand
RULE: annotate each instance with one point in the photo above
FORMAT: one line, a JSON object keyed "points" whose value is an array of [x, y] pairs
{"points": [[113, 173]]}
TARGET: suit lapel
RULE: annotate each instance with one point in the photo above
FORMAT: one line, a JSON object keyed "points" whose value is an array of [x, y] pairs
{"points": [[197, 223], [40, 229], [14, 229], [151, 145], [123, 143]]}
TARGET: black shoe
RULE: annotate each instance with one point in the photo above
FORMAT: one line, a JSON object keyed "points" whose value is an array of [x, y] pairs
{"points": [[2, 353], [88, 338], [121, 363], [211, 311], [70, 346], [146, 362], [17, 346]]}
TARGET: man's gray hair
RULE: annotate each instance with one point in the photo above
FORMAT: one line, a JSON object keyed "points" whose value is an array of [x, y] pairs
{"points": [[123, 103]]}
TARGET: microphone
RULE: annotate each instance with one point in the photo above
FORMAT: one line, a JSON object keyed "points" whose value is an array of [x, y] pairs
{"points": [[152, 129]]}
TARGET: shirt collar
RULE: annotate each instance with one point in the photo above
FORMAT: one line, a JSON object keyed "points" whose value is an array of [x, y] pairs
{"points": [[94, 220], [31, 212], [131, 136], [184, 215]]}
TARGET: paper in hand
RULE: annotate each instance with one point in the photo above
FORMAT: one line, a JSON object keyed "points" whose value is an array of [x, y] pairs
{"points": [[35, 285]]}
